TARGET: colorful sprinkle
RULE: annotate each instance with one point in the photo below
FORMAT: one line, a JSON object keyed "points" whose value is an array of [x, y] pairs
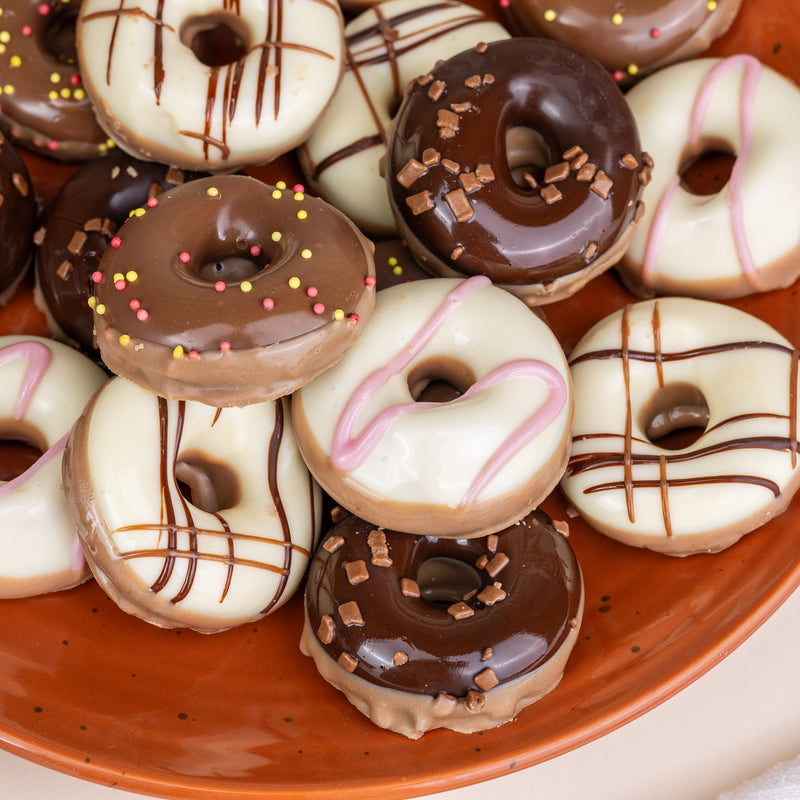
{"points": [[302, 214], [97, 276], [711, 5], [369, 280], [27, 30], [268, 303], [184, 257], [116, 241], [276, 194], [298, 188], [255, 251], [294, 282], [655, 33], [245, 286], [131, 275], [212, 191], [276, 236], [281, 184], [219, 286], [616, 19], [135, 304], [152, 202], [54, 76], [177, 351], [193, 355], [549, 15], [100, 308], [305, 253], [353, 317], [14, 61], [124, 339], [318, 308], [312, 291], [92, 301], [338, 314], [632, 69], [225, 346], [142, 314]]}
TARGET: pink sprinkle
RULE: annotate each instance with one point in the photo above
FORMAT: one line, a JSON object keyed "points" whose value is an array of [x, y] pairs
{"points": [[318, 308], [52, 145], [618, 75], [219, 286], [369, 280], [116, 241], [142, 314], [27, 30], [44, 9], [255, 251], [312, 291], [97, 276], [298, 187], [505, 3], [268, 303], [184, 257], [193, 355], [75, 79], [119, 285], [353, 317], [225, 346], [655, 33], [135, 304], [152, 202]]}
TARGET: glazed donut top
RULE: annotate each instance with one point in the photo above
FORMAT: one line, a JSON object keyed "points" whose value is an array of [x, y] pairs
{"points": [[449, 166], [17, 214], [437, 616]]}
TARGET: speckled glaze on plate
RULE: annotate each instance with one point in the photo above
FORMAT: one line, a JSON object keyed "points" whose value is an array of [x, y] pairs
{"points": [[92, 692]]}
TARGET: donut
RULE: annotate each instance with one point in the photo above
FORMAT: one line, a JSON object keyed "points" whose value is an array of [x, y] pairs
{"points": [[44, 386], [44, 105], [421, 633], [190, 516], [744, 237], [209, 84], [228, 291], [18, 214], [722, 382], [629, 39], [84, 217], [461, 468], [519, 160], [385, 47]]}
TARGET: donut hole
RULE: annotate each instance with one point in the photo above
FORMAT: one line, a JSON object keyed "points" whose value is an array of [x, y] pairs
{"points": [[59, 33], [205, 482], [230, 265], [215, 39], [707, 172], [527, 154], [21, 446], [439, 380], [443, 580], [675, 417]]}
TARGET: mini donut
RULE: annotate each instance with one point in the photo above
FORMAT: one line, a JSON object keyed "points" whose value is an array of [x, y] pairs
{"points": [[44, 105], [422, 633], [461, 468], [385, 47], [745, 237], [190, 516], [674, 364], [84, 217], [209, 84], [229, 291], [519, 160], [17, 219], [44, 386], [629, 39]]}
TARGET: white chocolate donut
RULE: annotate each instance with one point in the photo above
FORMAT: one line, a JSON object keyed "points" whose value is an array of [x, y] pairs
{"points": [[165, 92], [44, 387], [230, 549], [746, 237], [459, 467], [665, 365], [387, 46]]}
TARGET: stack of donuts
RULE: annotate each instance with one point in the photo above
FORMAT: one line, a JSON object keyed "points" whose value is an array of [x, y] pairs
{"points": [[295, 276]]}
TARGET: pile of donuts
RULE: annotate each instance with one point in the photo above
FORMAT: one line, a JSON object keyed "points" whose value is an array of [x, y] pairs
{"points": [[347, 385]]}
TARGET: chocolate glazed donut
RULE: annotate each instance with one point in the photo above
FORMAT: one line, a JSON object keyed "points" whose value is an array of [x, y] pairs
{"points": [[519, 160], [442, 629]]}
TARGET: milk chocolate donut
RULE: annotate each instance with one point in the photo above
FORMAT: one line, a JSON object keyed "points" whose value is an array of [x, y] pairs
{"points": [[629, 39], [229, 291], [519, 160], [17, 219], [78, 227], [44, 103], [422, 633]]}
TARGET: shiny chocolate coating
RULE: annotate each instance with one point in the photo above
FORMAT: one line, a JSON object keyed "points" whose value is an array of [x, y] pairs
{"points": [[84, 217], [526, 105], [45, 107], [439, 616], [230, 291], [17, 216]]}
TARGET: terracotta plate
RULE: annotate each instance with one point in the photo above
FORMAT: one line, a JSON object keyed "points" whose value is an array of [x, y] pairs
{"points": [[92, 692]]}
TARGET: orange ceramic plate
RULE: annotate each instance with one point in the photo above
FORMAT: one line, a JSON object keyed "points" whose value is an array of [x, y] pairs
{"points": [[90, 691]]}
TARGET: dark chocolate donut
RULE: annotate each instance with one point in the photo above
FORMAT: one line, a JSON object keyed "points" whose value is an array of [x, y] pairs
{"points": [[84, 217], [392, 618], [519, 160]]}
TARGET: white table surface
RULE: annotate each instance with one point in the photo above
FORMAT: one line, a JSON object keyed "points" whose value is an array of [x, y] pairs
{"points": [[728, 726]]}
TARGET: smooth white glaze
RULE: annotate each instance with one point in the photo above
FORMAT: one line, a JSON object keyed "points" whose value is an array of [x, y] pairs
{"points": [[741, 471], [746, 237], [159, 102], [226, 565], [387, 46], [446, 468], [44, 387]]}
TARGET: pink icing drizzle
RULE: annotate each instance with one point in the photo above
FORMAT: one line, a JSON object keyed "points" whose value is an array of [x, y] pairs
{"points": [[348, 452], [752, 71]]}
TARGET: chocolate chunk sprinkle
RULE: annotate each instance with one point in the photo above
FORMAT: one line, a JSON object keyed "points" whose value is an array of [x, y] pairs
{"points": [[580, 161], [326, 629], [350, 613], [481, 47], [486, 679], [453, 167], [447, 119], [573, 152], [487, 654], [436, 90], [629, 161], [587, 171], [530, 180], [347, 662], [460, 205], [76, 242], [64, 269], [400, 658], [550, 194], [562, 526], [469, 182], [356, 572], [333, 543], [443, 704], [456, 253], [639, 211], [556, 172], [474, 701], [409, 587], [491, 594], [602, 185], [482, 561], [498, 563], [420, 202], [20, 184], [460, 610], [473, 82], [590, 252], [485, 173], [430, 156], [492, 541], [410, 173], [460, 108]]}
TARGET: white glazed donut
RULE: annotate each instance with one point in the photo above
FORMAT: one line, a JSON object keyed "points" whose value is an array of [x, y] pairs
{"points": [[387, 46], [458, 466], [746, 237], [190, 516], [660, 366], [44, 387], [165, 91]]}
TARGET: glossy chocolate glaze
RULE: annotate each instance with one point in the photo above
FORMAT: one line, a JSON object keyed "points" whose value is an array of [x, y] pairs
{"points": [[450, 164], [47, 109], [17, 216], [81, 222], [486, 611]]}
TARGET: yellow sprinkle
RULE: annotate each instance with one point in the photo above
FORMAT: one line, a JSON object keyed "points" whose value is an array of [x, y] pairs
{"points": [[92, 301], [212, 191], [299, 196], [281, 184], [397, 270], [138, 212], [391, 261], [131, 276], [711, 5], [124, 340], [8, 89], [294, 282], [276, 193], [2, 48], [118, 276], [65, 93], [79, 94], [53, 94], [100, 308], [177, 352], [338, 314], [55, 77], [550, 15], [302, 214], [14, 61], [110, 144], [305, 253], [617, 18], [276, 236], [632, 69], [5, 37], [245, 286]]}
